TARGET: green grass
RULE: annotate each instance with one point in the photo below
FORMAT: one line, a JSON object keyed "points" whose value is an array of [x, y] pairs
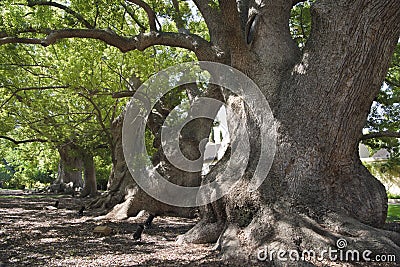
{"points": [[393, 213], [392, 196]]}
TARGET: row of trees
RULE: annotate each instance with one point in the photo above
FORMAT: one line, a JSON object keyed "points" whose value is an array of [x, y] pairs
{"points": [[320, 65], [58, 104]]}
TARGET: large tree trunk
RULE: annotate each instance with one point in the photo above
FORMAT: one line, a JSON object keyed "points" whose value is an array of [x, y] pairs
{"points": [[126, 198], [90, 186], [317, 190], [74, 160], [70, 166]]}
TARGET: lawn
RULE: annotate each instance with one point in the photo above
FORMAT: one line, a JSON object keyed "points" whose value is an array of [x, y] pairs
{"points": [[393, 213]]}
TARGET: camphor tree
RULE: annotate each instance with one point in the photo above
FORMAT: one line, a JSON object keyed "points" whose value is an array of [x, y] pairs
{"points": [[62, 97], [320, 94]]}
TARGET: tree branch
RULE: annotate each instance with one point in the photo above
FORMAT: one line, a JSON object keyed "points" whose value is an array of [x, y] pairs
{"points": [[392, 82], [99, 117], [132, 15], [31, 89], [380, 135], [79, 17], [231, 18], [23, 141], [211, 16], [151, 15], [18, 40], [140, 42], [123, 94], [180, 24]]}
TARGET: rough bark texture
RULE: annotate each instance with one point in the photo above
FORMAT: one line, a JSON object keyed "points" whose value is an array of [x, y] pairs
{"points": [[317, 190], [73, 161], [90, 186], [70, 166], [126, 198]]}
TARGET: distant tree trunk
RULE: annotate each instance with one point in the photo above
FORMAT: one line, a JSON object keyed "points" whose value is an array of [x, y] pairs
{"points": [[90, 184], [70, 166]]}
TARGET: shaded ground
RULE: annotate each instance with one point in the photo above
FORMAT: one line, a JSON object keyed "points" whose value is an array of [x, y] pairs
{"points": [[30, 235], [33, 236]]}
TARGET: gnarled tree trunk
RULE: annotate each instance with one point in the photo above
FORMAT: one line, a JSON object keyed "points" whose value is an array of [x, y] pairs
{"points": [[125, 197], [74, 160], [317, 190]]}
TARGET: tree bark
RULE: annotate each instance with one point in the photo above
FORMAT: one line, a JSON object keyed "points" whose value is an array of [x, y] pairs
{"points": [[317, 190], [90, 186], [125, 198], [70, 166]]}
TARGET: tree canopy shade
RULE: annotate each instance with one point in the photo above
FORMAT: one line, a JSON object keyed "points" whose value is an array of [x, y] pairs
{"points": [[320, 91], [69, 93]]}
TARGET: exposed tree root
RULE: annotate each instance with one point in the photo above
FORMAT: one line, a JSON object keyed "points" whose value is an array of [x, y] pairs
{"points": [[107, 201], [123, 205], [272, 231], [203, 232]]}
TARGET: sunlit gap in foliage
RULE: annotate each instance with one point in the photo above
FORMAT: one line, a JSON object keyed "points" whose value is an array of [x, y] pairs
{"points": [[300, 22], [382, 155], [218, 141]]}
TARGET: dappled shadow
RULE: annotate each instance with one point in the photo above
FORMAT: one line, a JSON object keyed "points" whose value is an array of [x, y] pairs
{"points": [[30, 235]]}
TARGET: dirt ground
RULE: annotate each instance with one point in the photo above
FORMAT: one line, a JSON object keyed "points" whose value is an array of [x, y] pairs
{"points": [[33, 236]]}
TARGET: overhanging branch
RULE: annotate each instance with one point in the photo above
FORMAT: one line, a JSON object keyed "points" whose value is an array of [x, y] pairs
{"points": [[151, 15], [123, 94], [133, 16], [18, 40], [140, 42], [17, 142], [99, 117], [380, 135], [31, 89]]}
